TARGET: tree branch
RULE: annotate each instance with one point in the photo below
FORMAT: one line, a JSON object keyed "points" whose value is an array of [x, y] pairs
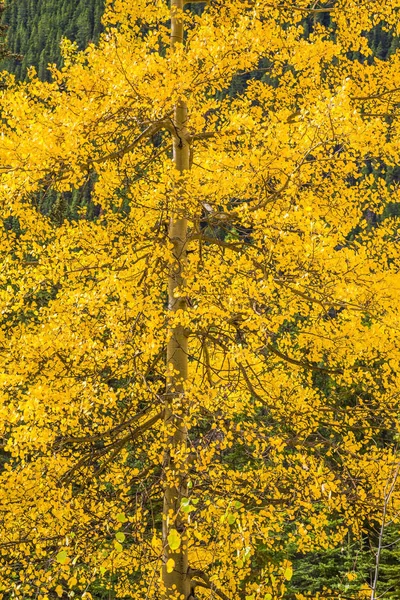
{"points": [[377, 96], [100, 436], [387, 496], [116, 446], [210, 240], [250, 385], [303, 365], [279, 6], [148, 132], [301, 9], [205, 583]]}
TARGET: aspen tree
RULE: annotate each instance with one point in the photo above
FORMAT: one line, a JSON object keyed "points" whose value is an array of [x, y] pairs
{"points": [[199, 379], [176, 565]]}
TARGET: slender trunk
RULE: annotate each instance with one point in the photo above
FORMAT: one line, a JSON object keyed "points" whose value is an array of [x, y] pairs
{"points": [[175, 568]]}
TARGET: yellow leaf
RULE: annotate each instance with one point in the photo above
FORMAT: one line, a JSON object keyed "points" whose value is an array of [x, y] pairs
{"points": [[170, 565], [174, 539], [288, 574], [62, 557]]}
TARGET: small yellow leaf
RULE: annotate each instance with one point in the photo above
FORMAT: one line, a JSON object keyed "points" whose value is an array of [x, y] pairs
{"points": [[170, 565], [174, 539], [120, 536], [121, 518], [62, 557], [59, 591], [288, 574]]}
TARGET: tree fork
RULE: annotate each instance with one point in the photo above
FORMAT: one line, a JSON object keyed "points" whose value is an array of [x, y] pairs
{"points": [[175, 571]]}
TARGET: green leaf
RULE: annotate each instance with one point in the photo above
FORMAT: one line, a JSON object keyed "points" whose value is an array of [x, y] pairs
{"points": [[186, 506], [268, 596], [121, 518], [174, 539], [238, 504], [231, 519], [118, 546], [120, 536], [62, 557]]}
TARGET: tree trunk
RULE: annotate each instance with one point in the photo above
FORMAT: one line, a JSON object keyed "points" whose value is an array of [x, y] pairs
{"points": [[175, 574]]}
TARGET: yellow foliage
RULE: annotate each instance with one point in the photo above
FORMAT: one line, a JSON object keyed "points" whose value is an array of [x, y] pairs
{"points": [[288, 298]]}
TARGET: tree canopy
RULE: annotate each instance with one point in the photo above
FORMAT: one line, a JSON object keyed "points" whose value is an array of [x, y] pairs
{"points": [[199, 383]]}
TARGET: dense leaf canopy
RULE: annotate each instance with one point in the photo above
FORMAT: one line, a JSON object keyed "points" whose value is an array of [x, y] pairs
{"points": [[290, 283]]}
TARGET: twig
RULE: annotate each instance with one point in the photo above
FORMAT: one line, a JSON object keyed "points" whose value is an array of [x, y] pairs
{"points": [[387, 497]]}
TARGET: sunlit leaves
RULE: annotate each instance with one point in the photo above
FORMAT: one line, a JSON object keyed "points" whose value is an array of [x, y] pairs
{"points": [[291, 294]]}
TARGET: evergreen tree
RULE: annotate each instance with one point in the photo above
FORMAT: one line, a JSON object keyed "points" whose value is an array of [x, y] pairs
{"points": [[36, 27]]}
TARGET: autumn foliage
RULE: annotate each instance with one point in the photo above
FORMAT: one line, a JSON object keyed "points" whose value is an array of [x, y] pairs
{"points": [[203, 376]]}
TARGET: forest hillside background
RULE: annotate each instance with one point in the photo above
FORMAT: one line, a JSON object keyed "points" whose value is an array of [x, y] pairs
{"points": [[35, 29]]}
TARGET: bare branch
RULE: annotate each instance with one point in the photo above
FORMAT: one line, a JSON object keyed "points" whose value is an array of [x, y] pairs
{"points": [[312, 11], [108, 433], [377, 96], [115, 446], [148, 132], [278, 6], [387, 496], [250, 385], [210, 240], [205, 583], [303, 365]]}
